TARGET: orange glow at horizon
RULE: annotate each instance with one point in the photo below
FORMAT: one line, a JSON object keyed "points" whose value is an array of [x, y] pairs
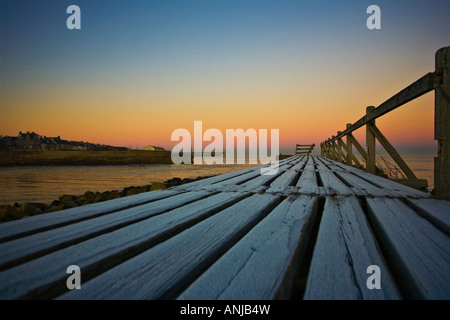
{"points": [[307, 106], [136, 124]]}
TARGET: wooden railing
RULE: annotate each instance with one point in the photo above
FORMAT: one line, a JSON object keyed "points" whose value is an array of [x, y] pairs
{"points": [[439, 80], [304, 148]]}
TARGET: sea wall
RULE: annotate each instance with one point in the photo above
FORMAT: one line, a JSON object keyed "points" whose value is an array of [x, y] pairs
{"points": [[42, 157]]}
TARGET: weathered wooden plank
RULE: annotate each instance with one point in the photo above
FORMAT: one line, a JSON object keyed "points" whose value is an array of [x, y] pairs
{"points": [[418, 251], [307, 183], [52, 220], [436, 211], [362, 187], [164, 270], [291, 160], [258, 183], [263, 263], [227, 178], [295, 159], [233, 179], [230, 178], [344, 249], [323, 160], [281, 184], [47, 271], [226, 184], [321, 164], [18, 249], [332, 184], [395, 188]]}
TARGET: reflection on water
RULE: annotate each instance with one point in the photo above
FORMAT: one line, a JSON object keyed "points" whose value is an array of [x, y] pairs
{"points": [[47, 183]]}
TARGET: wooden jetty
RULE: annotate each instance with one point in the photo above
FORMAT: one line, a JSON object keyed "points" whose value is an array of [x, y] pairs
{"points": [[319, 228], [308, 232]]}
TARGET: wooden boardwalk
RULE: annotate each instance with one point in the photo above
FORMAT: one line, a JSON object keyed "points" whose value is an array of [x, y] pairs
{"points": [[309, 232]]}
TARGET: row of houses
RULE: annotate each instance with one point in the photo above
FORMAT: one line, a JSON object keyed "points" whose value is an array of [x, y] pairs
{"points": [[34, 141]]}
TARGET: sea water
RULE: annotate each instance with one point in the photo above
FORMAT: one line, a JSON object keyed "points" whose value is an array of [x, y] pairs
{"points": [[46, 183]]}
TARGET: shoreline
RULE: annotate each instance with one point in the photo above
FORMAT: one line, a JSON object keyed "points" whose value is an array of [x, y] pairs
{"points": [[71, 157], [16, 211]]}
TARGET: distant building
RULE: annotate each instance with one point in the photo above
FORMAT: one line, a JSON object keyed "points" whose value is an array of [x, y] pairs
{"points": [[153, 148], [33, 141], [28, 141]]}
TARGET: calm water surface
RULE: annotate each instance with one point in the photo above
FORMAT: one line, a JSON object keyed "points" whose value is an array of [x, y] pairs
{"points": [[47, 183]]}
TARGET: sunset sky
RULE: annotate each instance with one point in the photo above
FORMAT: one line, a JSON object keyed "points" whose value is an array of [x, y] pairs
{"points": [[138, 70]]}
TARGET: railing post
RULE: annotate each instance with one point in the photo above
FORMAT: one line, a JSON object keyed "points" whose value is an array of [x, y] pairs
{"points": [[327, 142], [349, 147], [442, 124], [333, 148], [338, 145], [370, 143]]}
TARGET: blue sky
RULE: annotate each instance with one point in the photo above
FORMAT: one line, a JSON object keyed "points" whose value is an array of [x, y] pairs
{"points": [[192, 35]]}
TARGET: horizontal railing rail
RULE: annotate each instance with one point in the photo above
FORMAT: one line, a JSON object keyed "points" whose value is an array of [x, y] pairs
{"points": [[304, 148], [422, 86]]}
